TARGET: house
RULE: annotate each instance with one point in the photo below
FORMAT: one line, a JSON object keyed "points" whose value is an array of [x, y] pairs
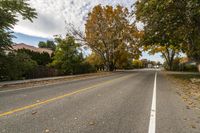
{"points": [[150, 65], [188, 61], [32, 48]]}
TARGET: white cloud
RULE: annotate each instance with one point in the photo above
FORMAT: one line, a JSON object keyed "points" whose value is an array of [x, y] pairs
{"points": [[52, 15]]}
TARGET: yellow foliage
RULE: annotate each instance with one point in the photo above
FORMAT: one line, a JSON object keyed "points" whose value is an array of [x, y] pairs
{"points": [[111, 36]]}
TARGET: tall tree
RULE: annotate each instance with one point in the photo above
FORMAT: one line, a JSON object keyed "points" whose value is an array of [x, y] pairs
{"points": [[9, 10], [172, 22], [191, 25], [109, 33]]}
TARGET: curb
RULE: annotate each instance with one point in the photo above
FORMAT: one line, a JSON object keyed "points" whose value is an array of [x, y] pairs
{"points": [[17, 82]]}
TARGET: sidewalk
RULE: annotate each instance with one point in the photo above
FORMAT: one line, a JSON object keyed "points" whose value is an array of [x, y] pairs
{"points": [[16, 82]]}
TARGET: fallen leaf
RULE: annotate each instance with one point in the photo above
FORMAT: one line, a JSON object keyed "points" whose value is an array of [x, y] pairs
{"points": [[34, 112], [187, 107], [193, 126], [91, 123], [47, 130]]}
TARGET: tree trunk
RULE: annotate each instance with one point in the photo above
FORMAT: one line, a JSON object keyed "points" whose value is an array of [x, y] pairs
{"points": [[170, 65], [198, 66], [169, 61], [111, 67]]}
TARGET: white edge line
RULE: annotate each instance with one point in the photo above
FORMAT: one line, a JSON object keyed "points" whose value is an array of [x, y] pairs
{"points": [[152, 122]]}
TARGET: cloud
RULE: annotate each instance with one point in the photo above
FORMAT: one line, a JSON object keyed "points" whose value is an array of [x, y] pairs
{"points": [[52, 15]]}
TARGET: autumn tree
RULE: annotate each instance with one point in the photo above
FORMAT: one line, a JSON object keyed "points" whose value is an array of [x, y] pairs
{"points": [[137, 64], [124, 60], [95, 60], [109, 34], [9, 10]]}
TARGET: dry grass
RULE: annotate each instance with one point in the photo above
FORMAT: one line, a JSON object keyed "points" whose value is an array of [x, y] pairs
{"points": [[189, 88]]}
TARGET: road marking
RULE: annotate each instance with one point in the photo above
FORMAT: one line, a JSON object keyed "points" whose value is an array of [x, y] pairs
{"points": [[59, 97], [152, 122]]}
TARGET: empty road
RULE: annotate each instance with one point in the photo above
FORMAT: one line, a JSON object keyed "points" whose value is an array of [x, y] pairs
{"points": [[125, 102]]}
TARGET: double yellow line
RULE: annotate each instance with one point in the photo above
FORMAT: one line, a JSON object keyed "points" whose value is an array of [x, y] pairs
{"points": [[58, 97]]}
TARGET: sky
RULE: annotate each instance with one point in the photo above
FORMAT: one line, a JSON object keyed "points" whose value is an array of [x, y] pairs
{"points": [[53, 16]]}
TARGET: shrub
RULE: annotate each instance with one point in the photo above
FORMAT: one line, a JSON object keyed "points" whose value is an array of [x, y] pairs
{"points": [[41, 72], [84, 68], [15, 66], [190, 68], [41, 58]]}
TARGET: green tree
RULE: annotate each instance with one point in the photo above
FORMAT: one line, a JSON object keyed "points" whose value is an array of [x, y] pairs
{"points": [[158, 35], [171, 22], [67, 57], [9, 10], [48, 44], [42, 44], [191, 27]]}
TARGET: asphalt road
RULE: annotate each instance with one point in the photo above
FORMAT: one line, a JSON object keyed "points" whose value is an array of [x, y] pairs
{"points": [[120, 103]]}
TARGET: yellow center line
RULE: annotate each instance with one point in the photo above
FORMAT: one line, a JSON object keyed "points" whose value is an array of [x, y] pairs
{"points": [[57, 98]]}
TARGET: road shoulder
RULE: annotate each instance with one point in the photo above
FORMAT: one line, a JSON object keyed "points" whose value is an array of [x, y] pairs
{"points": [[173, 113]]}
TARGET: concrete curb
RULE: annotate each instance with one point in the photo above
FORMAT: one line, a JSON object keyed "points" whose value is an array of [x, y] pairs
{"points": [[8, 83]]}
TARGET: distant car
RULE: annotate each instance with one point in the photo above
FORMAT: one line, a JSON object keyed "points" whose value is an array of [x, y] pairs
{"points": [[157, 66]]}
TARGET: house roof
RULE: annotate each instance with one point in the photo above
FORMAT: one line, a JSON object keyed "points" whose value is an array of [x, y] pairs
{"points": [[32, 48], [186, 60]]}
